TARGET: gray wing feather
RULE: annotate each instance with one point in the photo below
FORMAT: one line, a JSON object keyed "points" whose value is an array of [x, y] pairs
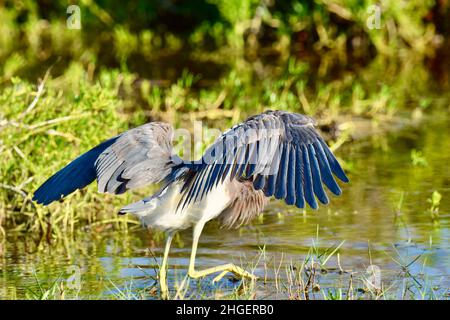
{"points": [[139, 157], [133, 159]]}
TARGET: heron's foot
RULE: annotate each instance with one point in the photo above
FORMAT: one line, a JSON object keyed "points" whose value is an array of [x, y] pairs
{"points": [[223, 269]]}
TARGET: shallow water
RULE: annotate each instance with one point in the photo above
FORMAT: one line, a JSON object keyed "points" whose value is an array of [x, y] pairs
{"points": [[376, 230]]}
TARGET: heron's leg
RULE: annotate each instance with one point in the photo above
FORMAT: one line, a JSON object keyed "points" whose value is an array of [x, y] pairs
{"points": [[223, 269], [163, 269]]}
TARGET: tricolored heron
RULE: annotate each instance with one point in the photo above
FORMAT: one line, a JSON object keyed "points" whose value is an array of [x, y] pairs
{"points": [[275, 153]]}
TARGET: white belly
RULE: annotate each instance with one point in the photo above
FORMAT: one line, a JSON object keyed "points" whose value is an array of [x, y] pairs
{"points": [[165, 217]]}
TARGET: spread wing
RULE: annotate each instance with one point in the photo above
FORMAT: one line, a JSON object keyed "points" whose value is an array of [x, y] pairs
{"points": [[133, 159], [280, 152]]}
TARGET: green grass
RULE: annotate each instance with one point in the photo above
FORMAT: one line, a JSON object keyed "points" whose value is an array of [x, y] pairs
{"points": [[40, 132]]}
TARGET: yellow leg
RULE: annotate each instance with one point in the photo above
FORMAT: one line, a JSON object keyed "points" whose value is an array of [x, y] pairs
{"points": [[223, 269], [163, 269]]}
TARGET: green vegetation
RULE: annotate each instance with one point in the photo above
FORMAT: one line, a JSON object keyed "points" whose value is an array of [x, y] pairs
{"points": [[332, 28], [63, 91], [45, 126]]}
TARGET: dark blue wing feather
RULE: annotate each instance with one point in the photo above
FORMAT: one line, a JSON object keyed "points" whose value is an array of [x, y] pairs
{"points": [[259, 182], [327, 177], [334, 164], [316, 177], [299, 181], [280, 192], [291, 177], [76, 175], [269, 188], [307, 179]]}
